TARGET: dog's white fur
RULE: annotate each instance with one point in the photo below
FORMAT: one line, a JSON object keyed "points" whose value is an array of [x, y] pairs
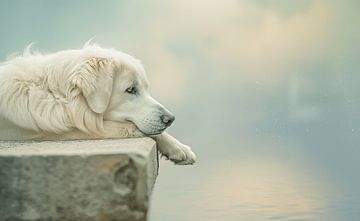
{"points": [[82, 94]]}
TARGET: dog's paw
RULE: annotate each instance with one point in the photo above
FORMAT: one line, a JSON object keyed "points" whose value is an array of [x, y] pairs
{"points": [[190, 157], [181, 155]]}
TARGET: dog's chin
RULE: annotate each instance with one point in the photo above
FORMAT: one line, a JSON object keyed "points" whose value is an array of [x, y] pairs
{"points": [[151, 132]]}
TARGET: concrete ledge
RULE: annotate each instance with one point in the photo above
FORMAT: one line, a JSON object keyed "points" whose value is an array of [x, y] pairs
{"points": [[92, 180]]}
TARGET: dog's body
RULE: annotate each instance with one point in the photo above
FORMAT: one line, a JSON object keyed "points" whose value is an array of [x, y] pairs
{"points": [[83, 94]]}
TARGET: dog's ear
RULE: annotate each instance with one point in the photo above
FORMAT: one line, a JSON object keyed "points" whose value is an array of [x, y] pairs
{"points": [[94, 78]]}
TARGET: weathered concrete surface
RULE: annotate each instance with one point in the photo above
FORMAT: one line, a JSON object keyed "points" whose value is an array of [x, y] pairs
{"points": [[93, 180]]}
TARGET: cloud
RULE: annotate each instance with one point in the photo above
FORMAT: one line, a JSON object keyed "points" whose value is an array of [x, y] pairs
{"points": [[259, 42]]}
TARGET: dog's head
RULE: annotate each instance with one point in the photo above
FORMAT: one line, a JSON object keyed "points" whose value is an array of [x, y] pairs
{"points": [[115, 88]]}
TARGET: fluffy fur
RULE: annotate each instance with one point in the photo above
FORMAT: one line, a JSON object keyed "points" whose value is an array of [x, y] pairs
{"points": [[85, 93]]}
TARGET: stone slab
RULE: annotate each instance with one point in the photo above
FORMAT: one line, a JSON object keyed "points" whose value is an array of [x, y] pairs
{"points": [[86, 180]]}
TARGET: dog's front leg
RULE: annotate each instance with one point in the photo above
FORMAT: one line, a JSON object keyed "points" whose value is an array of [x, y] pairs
{"points": [[167, 145], [174, 150]]}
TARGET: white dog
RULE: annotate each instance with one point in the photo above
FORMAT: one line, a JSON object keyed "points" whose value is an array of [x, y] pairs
{"points": [[82, 94]]}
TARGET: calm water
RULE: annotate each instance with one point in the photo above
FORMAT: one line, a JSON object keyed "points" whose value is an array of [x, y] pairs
{"points": [[298, 171]]}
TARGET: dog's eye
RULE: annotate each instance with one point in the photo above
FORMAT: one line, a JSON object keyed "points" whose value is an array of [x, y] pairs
{"points": [[131, 90]]}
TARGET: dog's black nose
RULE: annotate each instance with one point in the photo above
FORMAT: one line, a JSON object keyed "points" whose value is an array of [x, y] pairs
{"points": [[167, 119]]}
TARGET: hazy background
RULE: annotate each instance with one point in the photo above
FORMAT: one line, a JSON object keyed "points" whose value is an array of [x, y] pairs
{"points": [[265, 91]]}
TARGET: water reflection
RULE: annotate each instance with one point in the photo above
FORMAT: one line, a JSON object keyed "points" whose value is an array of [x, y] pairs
{"points": [[246, 185]]}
